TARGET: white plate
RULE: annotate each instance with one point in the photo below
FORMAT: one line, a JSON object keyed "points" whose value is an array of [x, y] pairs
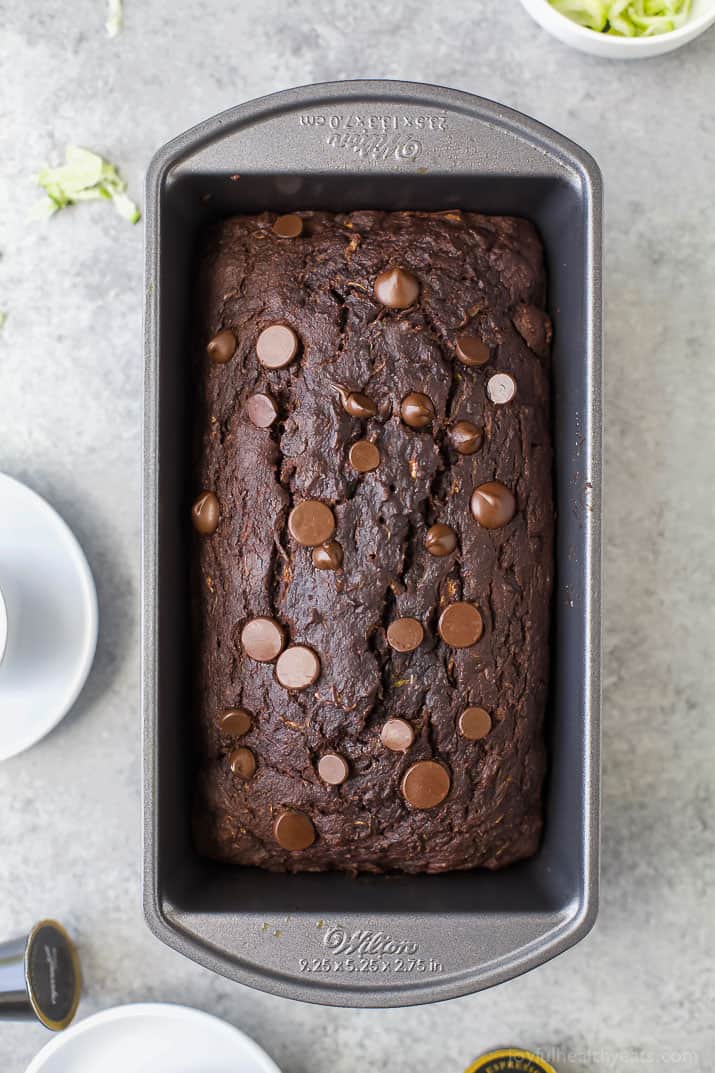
{"points": [[3, 626], [152, 1038], [51, 607], [621, 48]]}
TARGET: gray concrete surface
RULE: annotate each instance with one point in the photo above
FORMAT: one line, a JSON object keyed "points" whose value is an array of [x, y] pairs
{"points": [[637, 995]]}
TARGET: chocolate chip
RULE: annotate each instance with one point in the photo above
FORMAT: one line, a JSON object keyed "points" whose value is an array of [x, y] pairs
{"points": [[293, 830], [440, 540], [327, 556], [396, 288], [471, 350], [263, 639], [222, 347], [397, 735], [535, 328], [405, 634], [205, 514], [364, 456], [417, 410], [501, 388], [493, 505], [276, 346], [426, 784], [262, 410], [242, 762], [333, 769], [356, 404], [236, 722], [466, 438], [474, 723], [460, 625], [288, 226], [311, 522], [298, 667]]}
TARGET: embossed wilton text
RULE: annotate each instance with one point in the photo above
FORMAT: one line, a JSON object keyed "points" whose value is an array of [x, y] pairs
{"points": [[357, 122]]}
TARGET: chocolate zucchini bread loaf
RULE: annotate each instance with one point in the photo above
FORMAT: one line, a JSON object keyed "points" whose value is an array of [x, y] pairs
{"points": [[373, 547]]}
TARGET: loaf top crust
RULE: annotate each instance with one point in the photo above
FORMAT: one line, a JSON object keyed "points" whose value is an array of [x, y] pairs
{"points": [[261, 794]]}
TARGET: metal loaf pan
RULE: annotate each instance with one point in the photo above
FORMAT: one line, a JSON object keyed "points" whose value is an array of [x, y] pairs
{"points": [[374, 941]]}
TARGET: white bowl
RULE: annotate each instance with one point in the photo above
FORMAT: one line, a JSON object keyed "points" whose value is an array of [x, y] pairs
{"points": [[152, 1038], [701, 17]]}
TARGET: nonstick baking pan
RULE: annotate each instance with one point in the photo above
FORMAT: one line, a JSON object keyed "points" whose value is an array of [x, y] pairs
{"points": [[331, 938]]}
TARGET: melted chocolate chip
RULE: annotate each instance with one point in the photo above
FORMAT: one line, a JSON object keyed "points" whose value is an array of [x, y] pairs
{"points": [[298, 667], [493, 505], [405, 634], [460, 625], [327, 556], [535, 328], [364, 456], [397, 735], [474, 723], [205, 514], [276, 346], [242, 762], [417, 410], [440, 540], [288, 226], [311, 522], [333, 769], [236, 722], [396, 288], [501, 388], [222, 347], [426, 784], [466, 438], [263, 639], [471, 350], [357, 405], [293, 830], [262, 410]]}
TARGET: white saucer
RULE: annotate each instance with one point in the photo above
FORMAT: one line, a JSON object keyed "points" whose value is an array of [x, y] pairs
{"points": [[152, 1038], [51, 607]]}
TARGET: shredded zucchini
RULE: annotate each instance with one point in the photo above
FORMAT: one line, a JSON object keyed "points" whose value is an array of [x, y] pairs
{"points": [[593, 14], [84, 176], [626, 18], [115, 17]]}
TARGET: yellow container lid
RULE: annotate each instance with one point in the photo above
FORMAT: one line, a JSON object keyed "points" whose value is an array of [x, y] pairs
{"points": [[510, 1060]]}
